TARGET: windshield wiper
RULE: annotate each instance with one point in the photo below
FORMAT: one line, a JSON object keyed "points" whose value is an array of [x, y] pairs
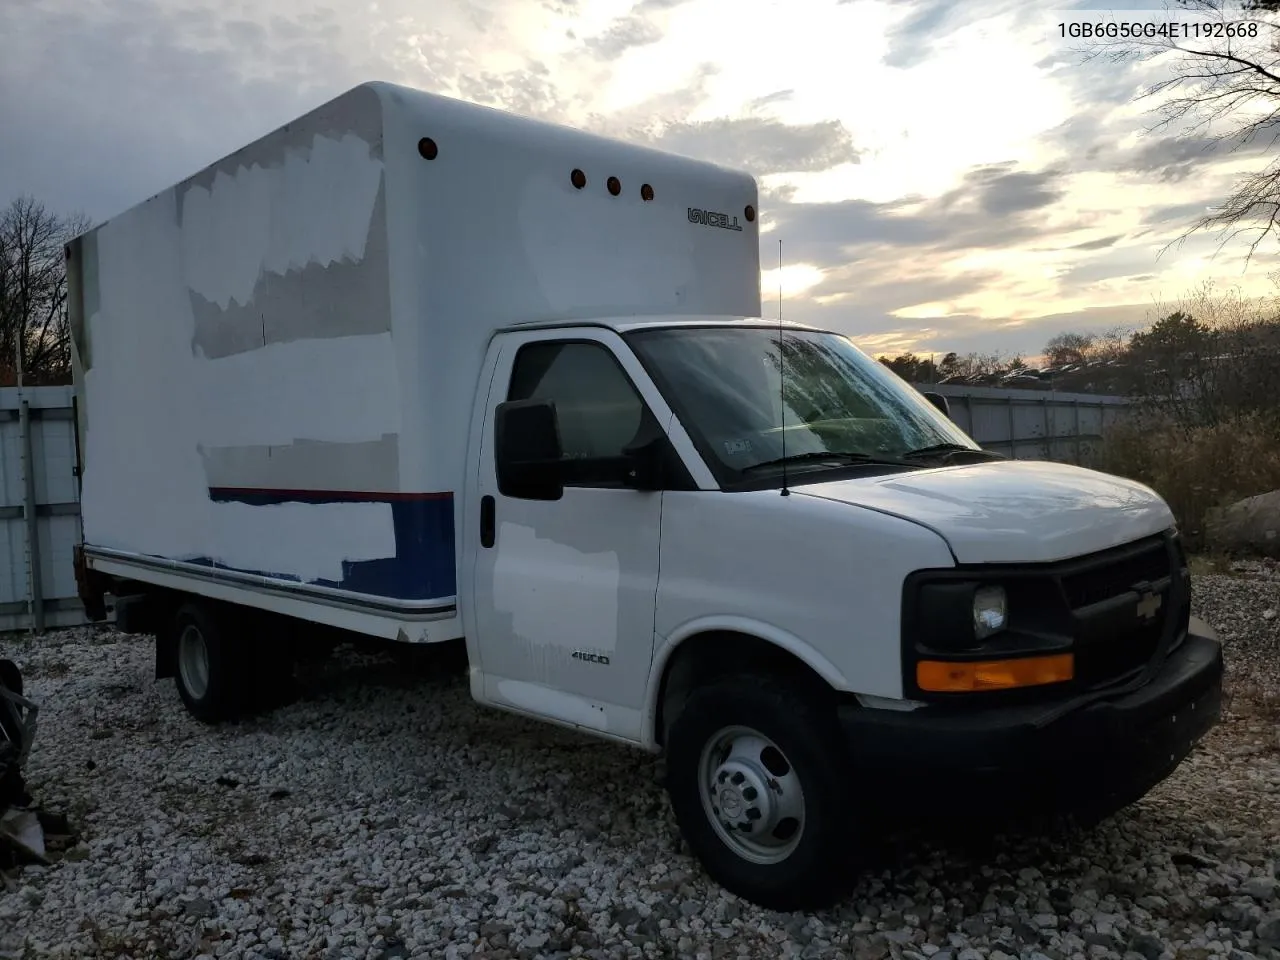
{"points": [[836, 456], [948, 450]]}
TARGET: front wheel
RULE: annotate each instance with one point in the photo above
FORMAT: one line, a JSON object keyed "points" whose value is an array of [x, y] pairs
{"points": [[758, 780]]}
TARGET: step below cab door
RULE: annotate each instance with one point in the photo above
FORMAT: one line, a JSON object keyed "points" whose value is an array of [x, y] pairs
{"points": [[566, 517]]}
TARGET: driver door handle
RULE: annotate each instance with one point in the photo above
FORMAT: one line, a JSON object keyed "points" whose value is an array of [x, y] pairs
{"points": [[488, 524]]}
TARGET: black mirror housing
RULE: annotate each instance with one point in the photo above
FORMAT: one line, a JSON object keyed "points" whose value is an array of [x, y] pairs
{"points": [[645, 464], [939, 401], [528, 457]]}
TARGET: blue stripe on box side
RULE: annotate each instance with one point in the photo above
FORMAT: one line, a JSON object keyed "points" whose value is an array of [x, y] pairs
{"points": [[424, 566]]}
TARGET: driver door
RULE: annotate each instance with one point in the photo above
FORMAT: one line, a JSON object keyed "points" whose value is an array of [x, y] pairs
{"points": [[564, 590]]}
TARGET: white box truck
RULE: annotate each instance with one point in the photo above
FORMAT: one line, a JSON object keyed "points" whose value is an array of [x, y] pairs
{"points": [[421, 370]]}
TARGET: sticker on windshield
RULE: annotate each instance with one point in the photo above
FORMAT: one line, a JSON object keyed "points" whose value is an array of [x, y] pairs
{"points": [[732, 447]]}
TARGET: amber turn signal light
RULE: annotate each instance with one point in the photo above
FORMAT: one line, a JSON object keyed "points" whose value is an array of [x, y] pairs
{"points": [[938, 676]]}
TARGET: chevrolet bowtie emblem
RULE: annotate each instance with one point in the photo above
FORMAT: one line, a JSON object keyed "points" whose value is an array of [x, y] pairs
{"points": [[1149, 605]]}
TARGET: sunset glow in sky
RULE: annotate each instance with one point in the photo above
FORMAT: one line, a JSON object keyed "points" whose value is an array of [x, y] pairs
{"points": [[944, 176]]}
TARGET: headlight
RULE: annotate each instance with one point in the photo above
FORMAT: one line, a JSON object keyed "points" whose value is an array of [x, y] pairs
{"points": [[990, 611]]}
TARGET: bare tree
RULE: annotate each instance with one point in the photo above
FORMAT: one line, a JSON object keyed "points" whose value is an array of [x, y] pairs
{"points": [[982, 365], [1113, 343], [1223, 91], [33, 291], [1065, 348]]}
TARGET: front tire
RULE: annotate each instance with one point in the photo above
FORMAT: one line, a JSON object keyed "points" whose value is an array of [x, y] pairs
{"points": [[758, 779]]}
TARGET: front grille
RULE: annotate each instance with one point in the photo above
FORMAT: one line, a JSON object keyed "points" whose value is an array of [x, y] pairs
{"points": [[1115, 572], [1112, 640]]}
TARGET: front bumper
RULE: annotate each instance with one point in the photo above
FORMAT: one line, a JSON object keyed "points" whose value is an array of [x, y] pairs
{"points": [[1091, 752]]}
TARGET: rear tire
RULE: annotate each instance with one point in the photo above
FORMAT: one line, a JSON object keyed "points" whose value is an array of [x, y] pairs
{"points": [[210, 664], [758, 777]]}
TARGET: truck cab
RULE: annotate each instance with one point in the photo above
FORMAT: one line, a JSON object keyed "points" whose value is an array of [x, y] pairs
{"points": [[754, 548]]}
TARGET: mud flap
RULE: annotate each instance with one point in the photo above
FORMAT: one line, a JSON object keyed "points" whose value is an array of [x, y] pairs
{"points": [[166, 650], [91, 587]]}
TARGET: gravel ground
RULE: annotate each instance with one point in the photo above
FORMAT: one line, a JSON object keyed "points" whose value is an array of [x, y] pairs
{"points": [[384, 815]]}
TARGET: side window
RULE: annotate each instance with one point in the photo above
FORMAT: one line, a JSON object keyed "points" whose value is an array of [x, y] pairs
{"points": [[599, 410]]}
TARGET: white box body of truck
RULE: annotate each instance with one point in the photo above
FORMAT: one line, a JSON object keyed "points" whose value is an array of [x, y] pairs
{"points": [[277, 357], [425, 371]]}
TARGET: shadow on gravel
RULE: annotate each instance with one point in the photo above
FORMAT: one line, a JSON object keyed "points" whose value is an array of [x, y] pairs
{"points": [[352, 669], [960, 859]]}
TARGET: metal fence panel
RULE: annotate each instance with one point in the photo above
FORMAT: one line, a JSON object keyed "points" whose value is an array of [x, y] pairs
{"points": [[38, 493], [1032, 424]]}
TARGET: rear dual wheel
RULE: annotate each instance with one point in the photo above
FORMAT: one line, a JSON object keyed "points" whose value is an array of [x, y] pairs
{"points": [[224, 668], [209, 665]]}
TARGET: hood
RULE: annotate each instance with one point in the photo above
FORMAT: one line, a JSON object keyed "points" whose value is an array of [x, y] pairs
{"points": [[1011, 511]]}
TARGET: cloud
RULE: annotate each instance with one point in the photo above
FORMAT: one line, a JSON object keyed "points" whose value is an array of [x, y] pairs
{"points": [[992, 207], [909, 42], [882, 333], [875, 291], [1002, 191], [624, 34], [529, 90], [1101, 243], [136, 94], [1180, 213], [770, 99], [642, 27], [761, 144], [643, 121], [1117, 267], [143, 94], [926, 25], [754, 140], [1168, 159], [933, 273]]}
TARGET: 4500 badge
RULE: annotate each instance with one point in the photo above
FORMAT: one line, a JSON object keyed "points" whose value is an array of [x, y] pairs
{"points": [[599, 658]]}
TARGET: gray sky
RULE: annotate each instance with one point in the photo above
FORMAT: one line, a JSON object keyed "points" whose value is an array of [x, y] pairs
{"points": [[943, 175]]}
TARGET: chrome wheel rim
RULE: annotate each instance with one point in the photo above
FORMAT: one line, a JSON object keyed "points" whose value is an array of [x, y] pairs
{"points": [[193, 661], [751, 795]]}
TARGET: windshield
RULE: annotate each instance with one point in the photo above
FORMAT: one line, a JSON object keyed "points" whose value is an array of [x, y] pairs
{"points": [[724, 384]]}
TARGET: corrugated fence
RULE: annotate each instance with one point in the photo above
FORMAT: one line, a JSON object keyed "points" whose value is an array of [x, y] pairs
{"points": [[39, 509], [1032, 424], [39, 493]]}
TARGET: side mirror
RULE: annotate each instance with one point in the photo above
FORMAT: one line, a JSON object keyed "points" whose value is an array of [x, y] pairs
{"points": [[528, 457], [645, 464], [939, 401]]}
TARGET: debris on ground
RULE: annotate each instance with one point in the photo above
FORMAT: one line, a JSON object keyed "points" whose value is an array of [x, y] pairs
{"points": [[22, 827], [17, 731], [21, 830]]}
